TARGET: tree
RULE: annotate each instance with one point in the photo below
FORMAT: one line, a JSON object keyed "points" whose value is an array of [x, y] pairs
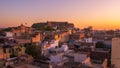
{"points": [[48, 28], [42, 26], [34, 51], [100, 45], [7, 29]]}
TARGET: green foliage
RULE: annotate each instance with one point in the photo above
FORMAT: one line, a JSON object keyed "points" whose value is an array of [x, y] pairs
{"points": [[12, 55], [42, 26], [39, 26], [6, 29], [60, 44], [100, 45], [34, 51], [48, 28]]}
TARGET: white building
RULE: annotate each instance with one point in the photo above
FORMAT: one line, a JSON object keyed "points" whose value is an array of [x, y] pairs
{"points": [[88, 40], [58, 59], [9, 34], [46, 46], [54, 43], [50, 45], [64, 48], [115, 58], [80, 57]]}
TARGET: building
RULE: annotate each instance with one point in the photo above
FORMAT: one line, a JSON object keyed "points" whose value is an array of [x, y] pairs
{"points": [[7, 51], [63, 48], [36, 38], [60, 24], [57, 58], [49, 44], [80, 57], [98, 56], [64, 36], [21, 31], [9, 34], [75, 36], [4, 55], [98, 35], [115, 58], [88, 40]]}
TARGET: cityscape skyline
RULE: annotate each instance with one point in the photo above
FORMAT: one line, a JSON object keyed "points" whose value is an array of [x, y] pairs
{"points": [[101, 14], [59, 33]]}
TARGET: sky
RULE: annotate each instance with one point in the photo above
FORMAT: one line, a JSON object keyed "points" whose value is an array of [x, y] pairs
{"points": [[101, 14]]}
